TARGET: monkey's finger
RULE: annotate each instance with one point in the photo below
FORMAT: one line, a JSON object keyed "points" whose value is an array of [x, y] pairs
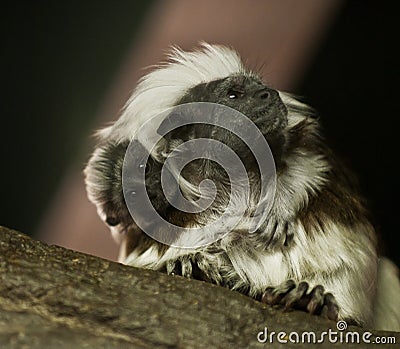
{"points": [[289, 234], [274, 295], [271, 227], [294, 295], [316, 299], [186, 267], [330, 309], [174, 267], [279, 237]]}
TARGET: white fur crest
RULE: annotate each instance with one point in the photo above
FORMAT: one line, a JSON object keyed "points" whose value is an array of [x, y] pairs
{"points": [[161, 88]]}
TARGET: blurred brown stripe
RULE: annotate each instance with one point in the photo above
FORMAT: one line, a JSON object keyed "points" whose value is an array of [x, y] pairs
{"points": [[276, 37]]}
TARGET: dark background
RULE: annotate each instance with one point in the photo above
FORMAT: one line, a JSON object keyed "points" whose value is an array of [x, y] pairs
{"points": [[59, 58], [354, 85]]}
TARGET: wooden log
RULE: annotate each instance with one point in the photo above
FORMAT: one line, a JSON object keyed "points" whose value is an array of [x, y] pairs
{"points": [[51, 297]]}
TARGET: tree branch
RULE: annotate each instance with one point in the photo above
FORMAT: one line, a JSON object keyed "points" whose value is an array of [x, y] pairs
{"points": [[57, 298]]}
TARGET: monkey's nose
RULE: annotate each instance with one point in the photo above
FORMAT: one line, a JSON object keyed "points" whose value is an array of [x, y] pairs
{"points": [[266, 94], [263, 94]]}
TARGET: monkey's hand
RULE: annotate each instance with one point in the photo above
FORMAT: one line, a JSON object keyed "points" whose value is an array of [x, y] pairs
{"points": [[292, 296], [276, 231], [194, 266], [182, 266]]}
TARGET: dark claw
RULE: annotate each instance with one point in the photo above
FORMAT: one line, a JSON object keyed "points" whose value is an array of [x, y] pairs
{"points": [[289, 235], [182, 266], [274, 295], [316, 300], [174, 267], [296, 297], [330, 309]]}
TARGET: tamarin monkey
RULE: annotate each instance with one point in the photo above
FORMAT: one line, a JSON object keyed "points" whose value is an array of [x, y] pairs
{"points": [[314, 249]]}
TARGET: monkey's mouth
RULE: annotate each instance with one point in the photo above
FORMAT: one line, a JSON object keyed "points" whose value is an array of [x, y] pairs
{"points": [[272, 118], [272, 123]]}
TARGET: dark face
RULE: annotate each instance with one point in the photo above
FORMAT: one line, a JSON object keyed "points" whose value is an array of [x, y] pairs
{"points": [[248, 95], [106, 173]]}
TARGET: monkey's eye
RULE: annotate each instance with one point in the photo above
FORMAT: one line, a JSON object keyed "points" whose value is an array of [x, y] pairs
{"points": [[112, 221], [234, 94]]}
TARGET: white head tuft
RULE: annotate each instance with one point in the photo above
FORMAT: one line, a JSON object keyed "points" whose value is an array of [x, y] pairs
{"points": [[161, 88]]}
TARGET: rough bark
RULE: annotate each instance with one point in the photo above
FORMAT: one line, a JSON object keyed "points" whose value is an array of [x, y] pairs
{"points": [[51, 297]]}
